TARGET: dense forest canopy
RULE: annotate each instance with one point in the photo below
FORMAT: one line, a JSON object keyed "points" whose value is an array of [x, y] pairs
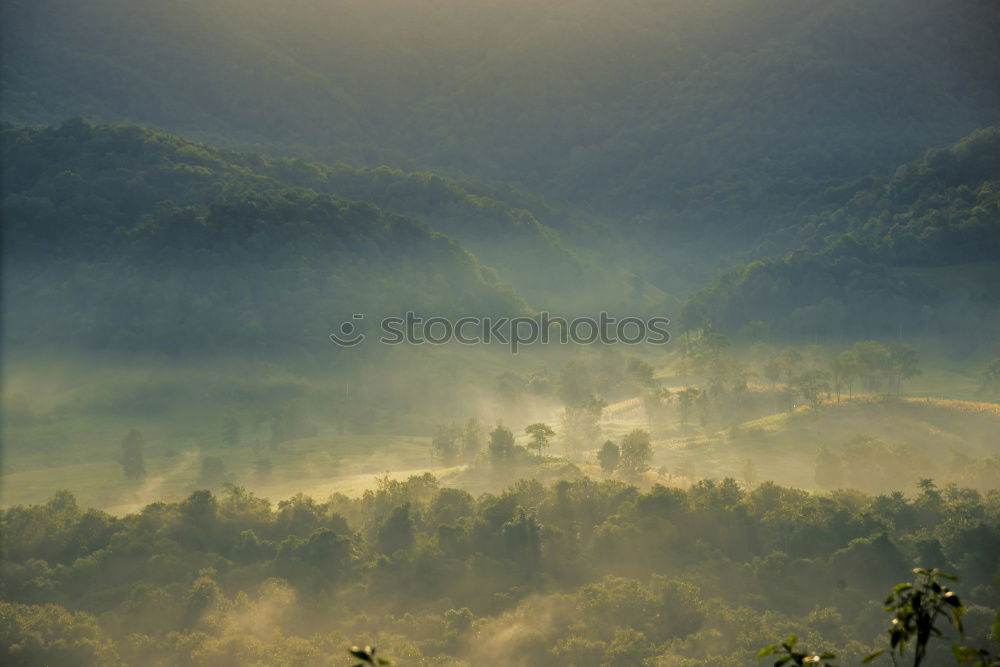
{"points": [[916, 251], [137, 240], [581, 572]]}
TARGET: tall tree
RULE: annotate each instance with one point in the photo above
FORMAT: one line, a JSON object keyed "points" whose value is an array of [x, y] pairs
{"points": [[789, 365], [653, 400], [445, 444], [844, 370], [685, 401], [541, 434], [581, 423], [473, 439], [609, 456], [904, 363], [636, 452], [873, 363], [811, 384], [397, 532], [501, 447]]}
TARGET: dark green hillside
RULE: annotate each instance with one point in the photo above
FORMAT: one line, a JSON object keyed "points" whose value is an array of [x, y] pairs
{"points": [[943, 209], [556, 259], [497, 223], [917, 252], [719, 112], [121, 237]]}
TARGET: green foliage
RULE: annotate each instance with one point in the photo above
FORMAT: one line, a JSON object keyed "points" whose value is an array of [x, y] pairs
{"points": [[189, 248], [811, 385], [540, 434], [445, 443], [793, 656], [580, 568], [916, 608], [51, 635], [501, 448], [685, 400], [366, 655], [875, 257], [672, 119], [609, 456], [636, 453], [397, 532], [829, 469], [473, 439], [868, 365], [581, 422]]}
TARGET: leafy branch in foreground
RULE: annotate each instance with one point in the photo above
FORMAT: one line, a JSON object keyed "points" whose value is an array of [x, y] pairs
{"points": [[366, 654], [916, 608], [794, 657]]}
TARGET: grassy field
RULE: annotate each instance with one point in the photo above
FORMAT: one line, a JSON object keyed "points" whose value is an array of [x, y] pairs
{"points": [[318, 465], [64, 423], [916, 434]]}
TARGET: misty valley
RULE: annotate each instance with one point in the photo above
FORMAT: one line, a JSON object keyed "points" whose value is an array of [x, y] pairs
{"points": [[427, 332]]}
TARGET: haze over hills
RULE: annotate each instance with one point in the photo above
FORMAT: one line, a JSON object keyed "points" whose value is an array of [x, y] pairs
{"points": [[728, 113], [109, 204], [919, 251], [199, 195], [131, 239]]}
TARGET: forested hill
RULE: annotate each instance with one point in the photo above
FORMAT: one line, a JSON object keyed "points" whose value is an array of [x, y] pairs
{"points": [[716, 111], [919, 251], [941, 210], [124, 238], [499, 223], [555, 258]]}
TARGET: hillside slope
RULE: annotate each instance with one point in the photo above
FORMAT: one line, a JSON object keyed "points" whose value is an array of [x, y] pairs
{"points": [[919, 251], [710, 112], [125, 238], [557, 259]]}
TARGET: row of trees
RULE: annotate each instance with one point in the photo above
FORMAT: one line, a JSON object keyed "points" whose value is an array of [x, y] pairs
{"points": [[874, 367], [468, 443], [811, 375], [580, 572], [452, 444]]}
